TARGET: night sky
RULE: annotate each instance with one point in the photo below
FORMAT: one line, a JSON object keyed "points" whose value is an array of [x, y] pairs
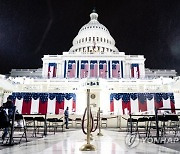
{"points": [[30, 29]]}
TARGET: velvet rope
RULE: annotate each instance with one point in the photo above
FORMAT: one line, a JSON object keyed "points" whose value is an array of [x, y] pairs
{"points": [[97, 123], [83, 120]]}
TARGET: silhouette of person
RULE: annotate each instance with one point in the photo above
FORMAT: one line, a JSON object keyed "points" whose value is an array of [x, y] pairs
{"points": [[66, 117]]}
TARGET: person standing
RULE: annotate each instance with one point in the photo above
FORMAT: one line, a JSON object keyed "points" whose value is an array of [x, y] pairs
{"points": [[10, 106], [66, 117]]}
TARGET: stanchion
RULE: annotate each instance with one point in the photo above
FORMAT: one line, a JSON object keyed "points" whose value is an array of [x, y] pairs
{"points": [[88, 146], [99, 117]]}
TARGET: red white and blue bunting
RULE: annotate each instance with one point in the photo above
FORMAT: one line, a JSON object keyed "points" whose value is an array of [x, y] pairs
{"points": [[44, 103], [126, 103]]}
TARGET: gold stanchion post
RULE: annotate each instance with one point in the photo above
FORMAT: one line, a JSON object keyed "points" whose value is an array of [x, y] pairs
{"points": [[88, 146], [99, 118]]}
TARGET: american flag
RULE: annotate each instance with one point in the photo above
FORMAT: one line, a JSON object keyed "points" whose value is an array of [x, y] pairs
{"points": [[126, 106], [71, 69], [134, 103], [51, 104], [112, 102], [135, 71], [84, 69], [142, 102], [158, 100], [115, 69], [52, 70], [70, 101], [172, 102], [59, 102], [117, 103], [102, 69], [93, 69], [43, 100], [26, 106], [150, 102]]}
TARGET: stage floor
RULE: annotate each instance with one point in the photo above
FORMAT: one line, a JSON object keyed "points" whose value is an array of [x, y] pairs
{"points": [[70, 141]]}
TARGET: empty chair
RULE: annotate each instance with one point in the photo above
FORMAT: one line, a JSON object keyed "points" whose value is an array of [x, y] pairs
{"points": [[161, 125], [173, 124], [60, 123], [70, 122], [52, 123], [20, 127], [131, 125], [78, 121], [30, 124], [40, 123], [104, 122], [142, 123], [18, 130]]}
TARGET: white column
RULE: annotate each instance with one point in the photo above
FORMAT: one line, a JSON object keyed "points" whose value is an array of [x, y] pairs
{"points": [[43, 70], [106, 69], [124, 71], [127, 71], [76, 69], [66, 75], [57, 70], [120, 69], [46, 70], [79, 69], [62, 69], [141, 70], [129, 67]]}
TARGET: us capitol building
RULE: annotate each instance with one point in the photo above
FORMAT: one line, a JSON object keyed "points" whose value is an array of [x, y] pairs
{"points": [[118, 83]]}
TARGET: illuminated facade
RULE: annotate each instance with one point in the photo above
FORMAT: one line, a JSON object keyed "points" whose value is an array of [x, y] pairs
{"points": [[116, 81], [93, 55]]}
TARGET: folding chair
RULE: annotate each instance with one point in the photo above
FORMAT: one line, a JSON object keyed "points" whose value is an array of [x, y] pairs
{"points": [[52, 123], [78, 121], [20, 127], [30, 124], [103, 122], [40, 123]]}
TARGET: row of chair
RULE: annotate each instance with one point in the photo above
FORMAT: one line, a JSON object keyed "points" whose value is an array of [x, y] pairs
{"points": [[40, 125], [145, 125]]}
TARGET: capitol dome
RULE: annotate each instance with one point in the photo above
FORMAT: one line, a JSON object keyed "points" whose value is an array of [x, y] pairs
{"points": [[93, 38]]}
